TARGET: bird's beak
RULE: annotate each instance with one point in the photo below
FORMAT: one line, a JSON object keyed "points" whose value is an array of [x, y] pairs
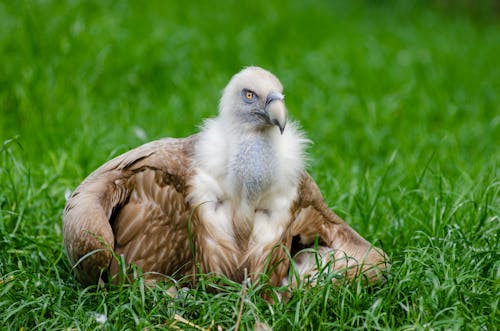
{"points": [[275, 107]]}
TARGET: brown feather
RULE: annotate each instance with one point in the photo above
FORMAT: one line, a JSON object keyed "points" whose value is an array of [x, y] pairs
{"points": [[349, 253], [136, 205], [230, 200]]}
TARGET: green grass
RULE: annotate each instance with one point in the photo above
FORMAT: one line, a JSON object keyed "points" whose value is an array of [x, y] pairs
{"points": [[401, 100]]}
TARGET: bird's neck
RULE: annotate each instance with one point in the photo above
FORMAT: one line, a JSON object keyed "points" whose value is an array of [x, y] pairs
{"points": [[246, 163], [252, 165], [242, 176]]}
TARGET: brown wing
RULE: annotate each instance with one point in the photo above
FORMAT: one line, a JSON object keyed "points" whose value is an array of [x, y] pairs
{"points": [[338, 243], [135, 205]]}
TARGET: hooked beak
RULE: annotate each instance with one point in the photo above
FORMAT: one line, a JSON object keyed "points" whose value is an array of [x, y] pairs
{"points": [[275, 107]]}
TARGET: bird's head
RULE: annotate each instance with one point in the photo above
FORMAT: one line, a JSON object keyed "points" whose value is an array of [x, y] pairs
{"points": [[253, 99]]}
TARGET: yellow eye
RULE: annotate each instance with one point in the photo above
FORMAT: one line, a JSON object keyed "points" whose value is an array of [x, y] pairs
{"points": [[248, 96]]}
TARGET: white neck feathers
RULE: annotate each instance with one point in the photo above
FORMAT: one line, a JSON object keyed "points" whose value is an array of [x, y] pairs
{"points": [[248, 165]]}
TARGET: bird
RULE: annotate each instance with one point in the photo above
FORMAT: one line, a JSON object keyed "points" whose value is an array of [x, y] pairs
{"points": [[233, 200]]}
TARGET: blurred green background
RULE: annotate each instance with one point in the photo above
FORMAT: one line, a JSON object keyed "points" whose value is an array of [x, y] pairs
{"points": [[364, 78]]}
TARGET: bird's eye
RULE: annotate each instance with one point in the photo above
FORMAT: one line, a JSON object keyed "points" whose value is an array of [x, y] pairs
{"points": [[248, 96]]}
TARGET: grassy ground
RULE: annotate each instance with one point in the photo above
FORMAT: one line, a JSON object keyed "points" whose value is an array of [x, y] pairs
{"points": [[402, 102]]}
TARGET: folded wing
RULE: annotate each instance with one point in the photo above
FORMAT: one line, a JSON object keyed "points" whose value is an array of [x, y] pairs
{"points": [[335, 244], [134, 205]]}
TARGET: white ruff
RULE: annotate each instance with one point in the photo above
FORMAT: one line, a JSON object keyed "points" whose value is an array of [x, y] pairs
{"points": [[217, 190]]}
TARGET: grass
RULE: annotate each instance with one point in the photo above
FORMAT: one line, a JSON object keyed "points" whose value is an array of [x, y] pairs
{"points": [[401, 101]]}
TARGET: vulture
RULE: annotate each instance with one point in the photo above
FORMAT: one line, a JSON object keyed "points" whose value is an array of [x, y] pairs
{"points": [[233, 200]]}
